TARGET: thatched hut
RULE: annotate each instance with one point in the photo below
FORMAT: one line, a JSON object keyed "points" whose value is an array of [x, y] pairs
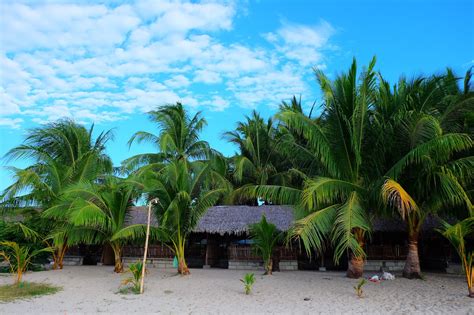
{"points": [[221, 240]]}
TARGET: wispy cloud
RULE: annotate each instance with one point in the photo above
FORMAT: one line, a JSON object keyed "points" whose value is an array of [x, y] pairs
{"points": [[102, 62]]}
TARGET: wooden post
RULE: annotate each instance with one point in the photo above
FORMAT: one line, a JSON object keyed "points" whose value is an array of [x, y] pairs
{"points": [[142, 282]]}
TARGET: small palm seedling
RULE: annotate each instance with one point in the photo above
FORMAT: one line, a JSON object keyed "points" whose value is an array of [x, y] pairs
{"points": [[248, 281], [457, 235], [19, 257], [358, 287], [265, 237], [136, 270]]}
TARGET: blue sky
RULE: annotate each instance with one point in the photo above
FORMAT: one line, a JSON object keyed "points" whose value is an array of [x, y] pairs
{"points": [[111, 62]]}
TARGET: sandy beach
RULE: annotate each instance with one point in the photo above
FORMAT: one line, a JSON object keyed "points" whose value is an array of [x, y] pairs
{"points": [[90, 289]]}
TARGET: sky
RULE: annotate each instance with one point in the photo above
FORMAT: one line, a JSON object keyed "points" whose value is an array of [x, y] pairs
{"points": [[110, 62]]}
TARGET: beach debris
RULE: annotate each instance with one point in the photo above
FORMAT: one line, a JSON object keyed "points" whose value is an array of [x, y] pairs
{"points": [[374, 278], [307, 299], [388, 276]]}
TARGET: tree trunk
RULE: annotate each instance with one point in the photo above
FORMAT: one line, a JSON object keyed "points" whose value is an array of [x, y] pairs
{"points": [[19, 276], [59, 257], [182, 267], [118, 258], [269, 267], [356, 267], [412, 264]]}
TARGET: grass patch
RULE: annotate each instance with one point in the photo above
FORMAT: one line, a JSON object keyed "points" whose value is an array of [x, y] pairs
{"points": [[10, 292]]}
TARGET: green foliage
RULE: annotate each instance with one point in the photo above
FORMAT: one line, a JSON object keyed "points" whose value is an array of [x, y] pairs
{"points": [[178, 138], [97, 213], [248, 281], [358, 288], [332, 206], [136, 270], [265, 236], [25, 290], [64, 154], [186, 175], [19, 257], [261, 160], [457, 235]]}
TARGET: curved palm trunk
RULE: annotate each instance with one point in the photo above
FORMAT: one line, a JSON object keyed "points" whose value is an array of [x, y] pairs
{"points": [[183, 267], [356, 267], [412, 265], [469, 271], [118, 258], [179, 251], [269, 266], [19, 276], [58, 257]]}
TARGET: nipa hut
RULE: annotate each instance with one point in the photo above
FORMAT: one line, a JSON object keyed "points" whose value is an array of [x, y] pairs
{"points": [[221, 240]]}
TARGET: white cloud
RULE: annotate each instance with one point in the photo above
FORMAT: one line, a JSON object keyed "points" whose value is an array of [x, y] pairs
{"points": [[217, 104], [13, 123], [302, 43], [178, 81], [102, 62], [206, 76]]}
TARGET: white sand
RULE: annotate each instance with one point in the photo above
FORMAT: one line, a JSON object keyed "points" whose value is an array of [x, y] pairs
{"points": [[90, 289]]}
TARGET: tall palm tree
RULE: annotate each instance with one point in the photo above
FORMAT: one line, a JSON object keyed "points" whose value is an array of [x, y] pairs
{"points": [[334, 205], [64, 153], [185, 190], [178, 137], [100, 213], [428, 169], [186, 175]]}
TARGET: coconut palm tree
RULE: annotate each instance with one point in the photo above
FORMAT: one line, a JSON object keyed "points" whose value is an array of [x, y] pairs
{"points": [[99, 212], [334, 205], [265, 236], [427, 181], [178, 137], [429, 169], [185, 190], [64, 153]]}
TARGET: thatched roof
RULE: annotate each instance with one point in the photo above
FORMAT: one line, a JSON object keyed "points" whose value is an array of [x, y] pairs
{"points": [[396, 224], [235, 219], [229, 219]]}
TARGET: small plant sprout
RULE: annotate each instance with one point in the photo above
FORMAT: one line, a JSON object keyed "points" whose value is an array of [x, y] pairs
{"points": [[358, 287], [248, 281], [136, 270]]}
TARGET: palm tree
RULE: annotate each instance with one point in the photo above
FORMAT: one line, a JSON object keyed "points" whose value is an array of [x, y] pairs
{"points": [[99, 212], [185, 190], [19, 257], [336, 203], [178, 137], [64, 153], [429, 169], [457, 235], [265, 236], [259, 161]]}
